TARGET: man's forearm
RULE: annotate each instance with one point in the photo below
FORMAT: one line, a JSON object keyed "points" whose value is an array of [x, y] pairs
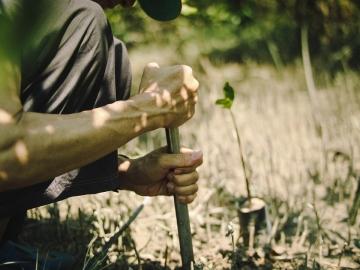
{"points": [[45, 146]]}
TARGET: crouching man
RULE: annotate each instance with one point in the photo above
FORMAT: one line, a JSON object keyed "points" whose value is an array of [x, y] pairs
{"points": [[65, 109]]}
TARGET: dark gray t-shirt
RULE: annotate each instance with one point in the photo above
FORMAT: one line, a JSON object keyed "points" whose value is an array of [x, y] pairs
{"points": [[69, 62]]}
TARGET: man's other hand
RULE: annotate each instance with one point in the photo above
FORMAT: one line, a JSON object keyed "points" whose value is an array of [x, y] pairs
{"points": [[160, 173], [174, 91]]}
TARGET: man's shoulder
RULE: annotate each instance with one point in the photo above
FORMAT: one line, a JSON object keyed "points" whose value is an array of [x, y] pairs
{"points": [[10, 8], [21, 21], [8, 11]]}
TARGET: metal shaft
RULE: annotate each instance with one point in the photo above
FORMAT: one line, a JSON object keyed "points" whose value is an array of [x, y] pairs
{"points": [[182, 213]]}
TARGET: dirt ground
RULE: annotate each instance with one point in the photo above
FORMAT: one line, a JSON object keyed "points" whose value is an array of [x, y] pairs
{"points": [[307, 179]]}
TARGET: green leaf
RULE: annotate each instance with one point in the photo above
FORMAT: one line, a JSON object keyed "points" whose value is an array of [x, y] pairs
{"points": [[229, 91], [225, 103]]}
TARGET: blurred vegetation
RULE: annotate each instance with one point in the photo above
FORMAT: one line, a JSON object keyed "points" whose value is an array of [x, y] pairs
{"points": [[285, 155], [256, 30]]}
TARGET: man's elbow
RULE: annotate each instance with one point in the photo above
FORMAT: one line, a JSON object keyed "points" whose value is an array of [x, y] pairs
{"points": [[13, 157], [12, 176]]}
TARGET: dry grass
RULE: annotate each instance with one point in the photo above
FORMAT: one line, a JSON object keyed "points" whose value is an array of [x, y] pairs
{"points": [[308, 188]]}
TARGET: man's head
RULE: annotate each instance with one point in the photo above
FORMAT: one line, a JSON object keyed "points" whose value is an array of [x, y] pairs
{"points": [[161, 10]]}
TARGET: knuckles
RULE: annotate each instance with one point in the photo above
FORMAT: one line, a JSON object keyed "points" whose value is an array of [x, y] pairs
{"points": [[192, 85], [186, 191], [186, 69], [180, 85], [180, 76], [185, 73], [183, 69], [190, 178], [187, 199]]}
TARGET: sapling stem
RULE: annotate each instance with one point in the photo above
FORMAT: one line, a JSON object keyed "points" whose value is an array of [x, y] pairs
{"points": [[247, 181]]}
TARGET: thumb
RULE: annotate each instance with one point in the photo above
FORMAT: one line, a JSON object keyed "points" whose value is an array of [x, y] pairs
{"points": [[149, 71], [187, 158], [152, 65]]}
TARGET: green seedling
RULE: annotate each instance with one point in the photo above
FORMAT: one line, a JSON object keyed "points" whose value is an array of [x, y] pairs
{"points": [[252, 212], [227, 102]]}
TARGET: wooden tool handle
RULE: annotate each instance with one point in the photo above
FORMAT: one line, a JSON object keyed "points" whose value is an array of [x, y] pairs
{"points": [[182, 213]]}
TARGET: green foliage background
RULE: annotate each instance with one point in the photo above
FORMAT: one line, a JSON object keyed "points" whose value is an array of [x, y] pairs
{"points": [[256, 30]]}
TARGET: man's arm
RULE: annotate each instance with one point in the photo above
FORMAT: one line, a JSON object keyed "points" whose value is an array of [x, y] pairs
{"points": [[35, 147]]}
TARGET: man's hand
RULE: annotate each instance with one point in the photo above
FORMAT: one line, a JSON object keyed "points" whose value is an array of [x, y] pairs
{"points": [[173, 89], [159, 173]]}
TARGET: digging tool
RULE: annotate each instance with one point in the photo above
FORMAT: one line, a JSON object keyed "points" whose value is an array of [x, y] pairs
{"points": [[182, 213]]}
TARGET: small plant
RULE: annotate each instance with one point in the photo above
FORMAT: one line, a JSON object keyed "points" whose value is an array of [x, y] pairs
{"points": [[227, 103], [252, 212]]}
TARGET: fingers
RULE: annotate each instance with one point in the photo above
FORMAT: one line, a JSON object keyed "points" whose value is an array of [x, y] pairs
{"points": [[182, 191], [185, 74], [188, 169], [190, 82], [183, 180], [183, 186], [186, 199], [173, 88]]}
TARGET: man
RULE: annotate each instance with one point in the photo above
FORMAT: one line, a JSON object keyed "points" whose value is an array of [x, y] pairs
{"points": [[65, 108]]}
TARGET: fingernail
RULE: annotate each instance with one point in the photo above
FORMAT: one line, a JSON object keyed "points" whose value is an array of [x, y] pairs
{"points": [[177, 171], [196, 155]]}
